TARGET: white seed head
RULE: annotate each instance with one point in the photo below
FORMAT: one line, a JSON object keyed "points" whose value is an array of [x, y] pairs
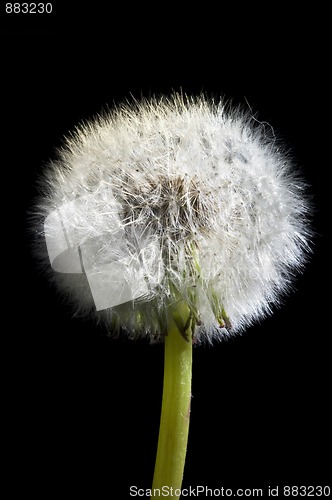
{"points": [[174, 199]]}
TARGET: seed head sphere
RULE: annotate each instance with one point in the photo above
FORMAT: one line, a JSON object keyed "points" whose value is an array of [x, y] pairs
{"points": [[174, 199]]}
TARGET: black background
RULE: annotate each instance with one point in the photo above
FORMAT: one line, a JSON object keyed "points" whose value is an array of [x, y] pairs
{"points": [[84, 409]]}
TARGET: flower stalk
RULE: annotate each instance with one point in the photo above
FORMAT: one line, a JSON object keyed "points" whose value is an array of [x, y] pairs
{"points": [[175, 412]]}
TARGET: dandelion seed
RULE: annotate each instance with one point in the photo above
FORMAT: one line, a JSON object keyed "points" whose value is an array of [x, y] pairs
{"points": [[174, 198]]}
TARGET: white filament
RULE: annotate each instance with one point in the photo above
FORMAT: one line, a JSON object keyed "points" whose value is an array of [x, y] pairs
{"points": [[174, 193]]}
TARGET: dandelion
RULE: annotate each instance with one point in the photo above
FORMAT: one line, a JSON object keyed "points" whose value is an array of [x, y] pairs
{"points": [[178, 220]]}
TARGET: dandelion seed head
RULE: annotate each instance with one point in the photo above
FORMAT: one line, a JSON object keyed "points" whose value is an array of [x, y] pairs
{"points": [[174, 199]]}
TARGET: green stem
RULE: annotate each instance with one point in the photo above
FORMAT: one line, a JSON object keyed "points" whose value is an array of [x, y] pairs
{"points": [[175, 412]]}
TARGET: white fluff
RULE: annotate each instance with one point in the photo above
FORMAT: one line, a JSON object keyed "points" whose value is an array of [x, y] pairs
{"points": [[211, 198]]}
